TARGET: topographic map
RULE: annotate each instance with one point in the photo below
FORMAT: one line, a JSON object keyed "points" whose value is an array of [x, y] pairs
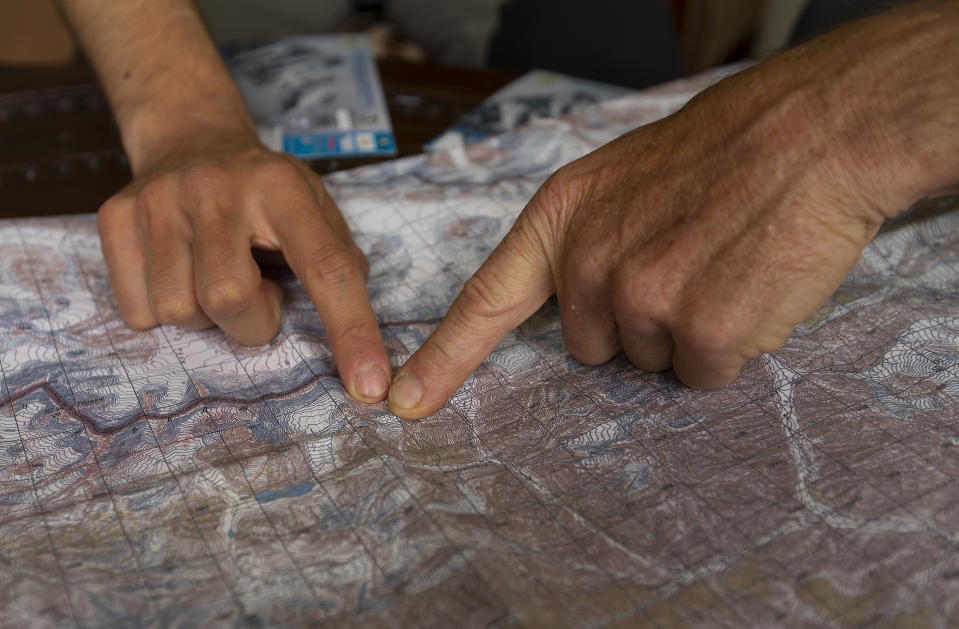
{"points": [[169, 478]]}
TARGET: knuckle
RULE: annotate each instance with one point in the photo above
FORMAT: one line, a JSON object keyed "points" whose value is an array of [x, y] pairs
{"points": [[444, 356], [647, 362], [710, 333], [587, 268], [109, 217], [173, 307], [553, 189], [352, 333], [547, 206], [204, 176], [362, 259], [111, 209], [592, 341], [589, 354], [331, 265], [225, 297], [136, 318], [154, 203], [279, 173], [561, 184], [769, 341], [569, 184], [155, 194], [482, 296], [639, 300], [135, 314]]}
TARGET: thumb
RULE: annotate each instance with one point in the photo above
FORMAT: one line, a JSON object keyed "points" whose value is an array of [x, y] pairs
{"points": [[510, 286]]}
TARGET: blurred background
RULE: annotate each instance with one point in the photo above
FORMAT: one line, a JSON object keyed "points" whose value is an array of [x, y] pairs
{"points": [[438, 59], [672, 35]]}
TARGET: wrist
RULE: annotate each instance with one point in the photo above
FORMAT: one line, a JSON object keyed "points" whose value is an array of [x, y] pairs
{"points": [[165, 132], [898, 104], [168, 87]]}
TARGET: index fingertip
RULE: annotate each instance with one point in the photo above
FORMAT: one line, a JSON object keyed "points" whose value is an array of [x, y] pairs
{"points": [[370, 383]]}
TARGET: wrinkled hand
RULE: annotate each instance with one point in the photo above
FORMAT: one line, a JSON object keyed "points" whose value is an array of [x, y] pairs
{"points": [[700, 241], [178, 241]]}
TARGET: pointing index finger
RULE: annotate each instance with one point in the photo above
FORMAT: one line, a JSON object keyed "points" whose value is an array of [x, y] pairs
{"points": [[510, 286], [333, 272]]}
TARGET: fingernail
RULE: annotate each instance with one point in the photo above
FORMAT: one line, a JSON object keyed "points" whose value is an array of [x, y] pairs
{"points": [[405, 392], [371, 381]]}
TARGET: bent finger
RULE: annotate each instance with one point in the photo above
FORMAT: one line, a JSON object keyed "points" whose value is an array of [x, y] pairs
{"points": [[641, 305], [590, 330], [704, 361], [510, 286], [126, 263], [649, 345], [229, 286], [169, 275]]}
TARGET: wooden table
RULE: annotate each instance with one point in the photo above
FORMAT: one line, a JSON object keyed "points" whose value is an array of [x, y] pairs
{"points": [[60, 151]]}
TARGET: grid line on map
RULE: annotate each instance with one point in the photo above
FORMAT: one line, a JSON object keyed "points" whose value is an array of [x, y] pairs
{"points": [[429, 307], [229, 585], [40, 293], [399, 478], [588, 395], [808, 377], [170, 472], [551, 367], [463, 418], [733, 524], [639, 607], [35, 501], [679, 560], [148, 481], [319, 483]]}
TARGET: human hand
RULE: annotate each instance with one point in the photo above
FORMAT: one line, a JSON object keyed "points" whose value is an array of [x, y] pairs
{"points": [[177, 242], [699, 241], [178, 239]]}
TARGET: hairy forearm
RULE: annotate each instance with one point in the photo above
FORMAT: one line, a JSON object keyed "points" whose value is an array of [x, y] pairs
{"points": [[166, 83], [896, 98], [873, 105]]}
